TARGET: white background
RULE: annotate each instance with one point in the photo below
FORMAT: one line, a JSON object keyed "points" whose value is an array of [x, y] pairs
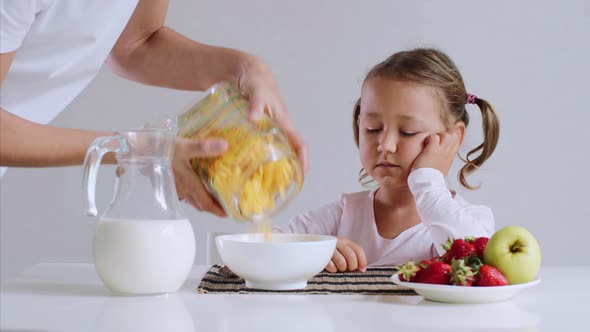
{"points": [[528, 58]]}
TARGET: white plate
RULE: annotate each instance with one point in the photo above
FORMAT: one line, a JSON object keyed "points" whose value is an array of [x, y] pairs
{"points": [[462, 294]]}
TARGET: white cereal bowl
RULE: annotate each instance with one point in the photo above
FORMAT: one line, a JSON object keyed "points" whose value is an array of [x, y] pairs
{"points": [[287, 262]]}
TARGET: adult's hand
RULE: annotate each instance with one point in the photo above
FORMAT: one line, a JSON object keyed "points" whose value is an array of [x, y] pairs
{"points": [[256, 81], [189, 186]]}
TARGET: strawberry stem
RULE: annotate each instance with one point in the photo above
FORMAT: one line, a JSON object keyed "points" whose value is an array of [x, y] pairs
{"points": [[447, 245]]}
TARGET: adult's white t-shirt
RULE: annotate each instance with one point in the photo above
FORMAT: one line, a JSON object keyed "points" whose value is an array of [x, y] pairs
{"points": [[60, 47]]}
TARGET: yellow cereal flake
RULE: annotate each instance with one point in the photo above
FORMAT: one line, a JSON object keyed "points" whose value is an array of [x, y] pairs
{"points": [[269, 179]]}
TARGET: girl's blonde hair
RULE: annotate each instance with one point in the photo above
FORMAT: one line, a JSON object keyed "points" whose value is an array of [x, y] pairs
{"points": [[434, 68]]}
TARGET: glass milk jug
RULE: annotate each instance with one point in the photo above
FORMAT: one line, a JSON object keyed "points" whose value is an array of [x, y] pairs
{"points": [[143, 243]]}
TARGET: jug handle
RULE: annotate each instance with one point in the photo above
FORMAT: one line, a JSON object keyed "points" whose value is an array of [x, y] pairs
{"points": [[97, 149]]}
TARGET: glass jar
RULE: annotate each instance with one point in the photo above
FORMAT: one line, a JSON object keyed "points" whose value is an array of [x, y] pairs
{"points": [[260, 172]]}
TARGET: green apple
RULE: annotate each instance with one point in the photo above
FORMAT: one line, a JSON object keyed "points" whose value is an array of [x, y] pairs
{"points": [[515, 252]]}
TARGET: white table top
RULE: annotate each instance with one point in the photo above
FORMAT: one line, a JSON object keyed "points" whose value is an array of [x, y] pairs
{"points": [[71, 297]]}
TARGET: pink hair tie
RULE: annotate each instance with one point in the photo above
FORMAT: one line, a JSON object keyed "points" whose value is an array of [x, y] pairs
{"points": [[471, 98]]}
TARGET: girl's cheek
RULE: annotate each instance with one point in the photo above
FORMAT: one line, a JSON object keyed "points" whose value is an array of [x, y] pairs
{"points": [[414, 148], [367, 143]]}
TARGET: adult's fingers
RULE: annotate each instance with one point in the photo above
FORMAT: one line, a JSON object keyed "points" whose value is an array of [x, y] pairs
{"points": [[257, 106], [202, 200], [298, 145], [190, 188], [200, 148], [278, 112]]}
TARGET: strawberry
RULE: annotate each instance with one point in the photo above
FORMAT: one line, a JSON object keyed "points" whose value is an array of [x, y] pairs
{"points": [[436, 273], [446, 246], [480, 244], [408, 271], [436, 258], [462, 274], [425, 262], [458, 249], [490, 276]]}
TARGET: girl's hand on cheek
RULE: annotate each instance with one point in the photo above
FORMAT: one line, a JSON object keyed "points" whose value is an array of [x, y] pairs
{"points": [[439, 152]]}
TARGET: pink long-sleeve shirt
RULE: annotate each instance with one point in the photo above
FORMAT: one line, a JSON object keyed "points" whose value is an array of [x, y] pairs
{"points": [[443, 216]]}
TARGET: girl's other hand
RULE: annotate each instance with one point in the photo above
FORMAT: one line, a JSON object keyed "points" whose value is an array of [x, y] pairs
{"points": [[439, 152], [348, 256]]}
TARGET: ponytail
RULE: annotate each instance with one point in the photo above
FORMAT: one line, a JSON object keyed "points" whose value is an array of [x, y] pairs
{"points": [[491, 134]]}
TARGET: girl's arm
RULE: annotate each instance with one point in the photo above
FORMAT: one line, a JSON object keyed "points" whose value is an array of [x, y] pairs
{"points": [[445, 216], [323, 221]]}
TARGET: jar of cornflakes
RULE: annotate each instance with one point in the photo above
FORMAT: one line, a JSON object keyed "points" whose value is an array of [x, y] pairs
{"points": [[259, 173]]}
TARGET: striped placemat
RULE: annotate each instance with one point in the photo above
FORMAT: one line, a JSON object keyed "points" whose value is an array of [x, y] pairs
{"points": [[375, 281]]}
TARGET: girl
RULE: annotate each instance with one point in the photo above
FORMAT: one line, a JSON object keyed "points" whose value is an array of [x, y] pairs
{"points": [[408, 125]]}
